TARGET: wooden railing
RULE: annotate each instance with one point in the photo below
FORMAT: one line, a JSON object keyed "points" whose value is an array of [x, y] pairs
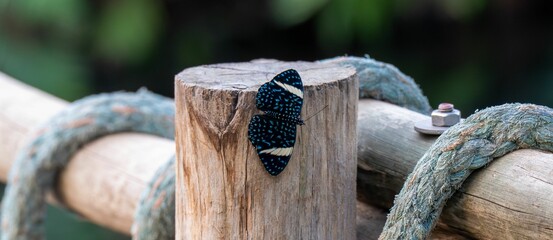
{"points": [[104, 180]]}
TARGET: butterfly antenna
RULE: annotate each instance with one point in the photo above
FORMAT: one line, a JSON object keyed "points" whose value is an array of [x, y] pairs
{"points": [[316, 113]]}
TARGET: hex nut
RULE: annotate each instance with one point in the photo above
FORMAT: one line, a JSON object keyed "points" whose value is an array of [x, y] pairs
{"points": [[445, 119]]}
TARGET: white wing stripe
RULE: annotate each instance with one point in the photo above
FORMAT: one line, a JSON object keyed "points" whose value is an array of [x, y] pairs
{"points": [[278, 151], [291, 89]]}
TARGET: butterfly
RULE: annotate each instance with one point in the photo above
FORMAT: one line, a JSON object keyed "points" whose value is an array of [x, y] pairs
{"points": [[273, 134]]}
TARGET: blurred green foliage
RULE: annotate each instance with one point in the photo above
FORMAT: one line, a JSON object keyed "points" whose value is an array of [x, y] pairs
{"points": [[127, 30], [62, 224], [474, 53], [38, 45], [293, 12]]}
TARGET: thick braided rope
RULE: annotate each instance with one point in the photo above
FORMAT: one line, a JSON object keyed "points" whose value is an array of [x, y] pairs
{"points": [[465, 147], [382, 81], [155, 217], [36, 166]]}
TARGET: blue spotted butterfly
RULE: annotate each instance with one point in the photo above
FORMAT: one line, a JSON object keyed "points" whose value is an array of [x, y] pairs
{"points": [[273, 134]]}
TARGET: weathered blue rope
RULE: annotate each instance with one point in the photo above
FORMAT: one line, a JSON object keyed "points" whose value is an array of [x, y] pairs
{"points": [[155, 217], [382, 81], [465, 147], [36, 166]]}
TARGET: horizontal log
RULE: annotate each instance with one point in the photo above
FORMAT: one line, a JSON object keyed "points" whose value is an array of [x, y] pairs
{"points": [[104, 180], [388, 150], [509, 199]]}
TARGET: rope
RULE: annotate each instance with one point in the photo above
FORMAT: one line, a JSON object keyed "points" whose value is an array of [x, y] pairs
{"points": [[155, 216], [382, 81], [36, 166], [465, 147]]}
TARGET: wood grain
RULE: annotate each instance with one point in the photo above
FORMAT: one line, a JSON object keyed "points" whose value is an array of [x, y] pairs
{"points": [[223, 190], [104, 180], [509, 199]]}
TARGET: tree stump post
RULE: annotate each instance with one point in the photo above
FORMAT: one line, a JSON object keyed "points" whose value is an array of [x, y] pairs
{"points": [[222, 188]]}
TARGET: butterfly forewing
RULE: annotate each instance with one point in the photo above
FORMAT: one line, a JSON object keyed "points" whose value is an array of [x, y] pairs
{"points": [[283, 94]]}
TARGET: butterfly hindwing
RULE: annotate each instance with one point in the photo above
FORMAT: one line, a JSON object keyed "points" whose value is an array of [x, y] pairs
{"points": [[283, 94], [273, 140]]}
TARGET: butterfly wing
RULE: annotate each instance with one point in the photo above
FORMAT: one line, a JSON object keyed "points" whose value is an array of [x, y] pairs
{"points": [[273, 140], [283, 94]]}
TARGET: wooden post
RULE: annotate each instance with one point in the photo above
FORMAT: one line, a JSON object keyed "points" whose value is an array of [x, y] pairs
{"points": [[223, 191]]}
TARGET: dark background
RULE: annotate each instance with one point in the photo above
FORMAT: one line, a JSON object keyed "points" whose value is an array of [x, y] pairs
{"points": [[474, 53]]}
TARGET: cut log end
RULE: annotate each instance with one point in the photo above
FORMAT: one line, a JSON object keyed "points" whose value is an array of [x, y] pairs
{"points": [[248, 76]]}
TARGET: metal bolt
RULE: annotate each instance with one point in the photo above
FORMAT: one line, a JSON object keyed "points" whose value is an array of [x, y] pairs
{"points": [[445, 107], [446, 115]]}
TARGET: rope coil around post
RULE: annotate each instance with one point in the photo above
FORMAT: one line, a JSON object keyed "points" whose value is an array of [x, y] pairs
{"points": [[37, 164], [465, 147]]}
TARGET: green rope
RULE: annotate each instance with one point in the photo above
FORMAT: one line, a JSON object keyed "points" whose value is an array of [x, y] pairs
{"points": [[465, 147], [37, 165]]}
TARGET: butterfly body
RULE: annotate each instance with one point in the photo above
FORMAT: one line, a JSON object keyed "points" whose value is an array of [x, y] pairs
{"points": [[273, 134]]}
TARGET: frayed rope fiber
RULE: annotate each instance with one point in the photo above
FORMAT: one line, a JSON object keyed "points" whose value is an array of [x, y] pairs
{"points": [[465, 147], [36, 166]]}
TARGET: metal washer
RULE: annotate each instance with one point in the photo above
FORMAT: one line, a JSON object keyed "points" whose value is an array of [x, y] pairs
{"points": [[426, 127]]}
